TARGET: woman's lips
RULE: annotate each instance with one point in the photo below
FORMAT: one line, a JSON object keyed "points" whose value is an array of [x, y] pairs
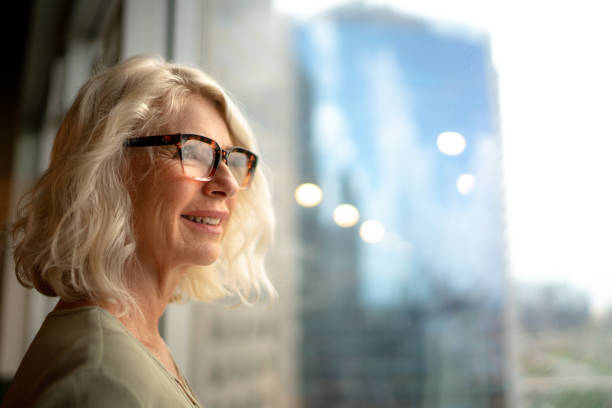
{"points": [[203, 220], [209, 228], [210, 220], [220, 214]]}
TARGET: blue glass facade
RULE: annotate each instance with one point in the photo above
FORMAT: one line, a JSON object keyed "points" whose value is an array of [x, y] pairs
{"points": [[415, 319]]}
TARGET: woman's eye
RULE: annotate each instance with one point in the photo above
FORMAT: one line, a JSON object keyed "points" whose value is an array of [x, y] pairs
{"points": [[167, 152]]}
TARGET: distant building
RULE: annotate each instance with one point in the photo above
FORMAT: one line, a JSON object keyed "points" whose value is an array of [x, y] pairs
{"points": [[552, 307], [417, 319]]}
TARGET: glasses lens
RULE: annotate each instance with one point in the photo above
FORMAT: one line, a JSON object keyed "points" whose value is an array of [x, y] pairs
{"points": [[198, 158], [239, 162]]}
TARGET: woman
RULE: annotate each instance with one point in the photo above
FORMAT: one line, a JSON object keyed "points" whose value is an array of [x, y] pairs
{"points": [[146, 201]]}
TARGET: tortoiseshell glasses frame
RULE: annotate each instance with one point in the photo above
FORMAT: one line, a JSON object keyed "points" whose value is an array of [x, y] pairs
{"points": [[200, 161]]}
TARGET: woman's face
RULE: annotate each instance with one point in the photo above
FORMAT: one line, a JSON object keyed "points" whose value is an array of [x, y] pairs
{"points": [[166, 201]]}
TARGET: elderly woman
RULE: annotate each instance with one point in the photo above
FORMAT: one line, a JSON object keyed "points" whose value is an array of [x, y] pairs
{"points": [[148, 200]]}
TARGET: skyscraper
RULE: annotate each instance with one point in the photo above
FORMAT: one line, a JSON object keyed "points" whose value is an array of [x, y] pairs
{"points": [[416, 318]]}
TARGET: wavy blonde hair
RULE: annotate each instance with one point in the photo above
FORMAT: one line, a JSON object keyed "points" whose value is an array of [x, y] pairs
{"points": [[74, 234]]}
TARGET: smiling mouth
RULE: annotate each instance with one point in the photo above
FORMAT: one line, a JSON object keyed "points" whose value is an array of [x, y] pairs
{"points": [[202, 220]]}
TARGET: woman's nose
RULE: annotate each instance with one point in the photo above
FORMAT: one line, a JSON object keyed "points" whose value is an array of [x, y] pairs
{"points": [[223, 183]]}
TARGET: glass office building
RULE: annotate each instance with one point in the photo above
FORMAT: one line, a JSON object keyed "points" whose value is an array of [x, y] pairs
{"points": [[401, 123]]}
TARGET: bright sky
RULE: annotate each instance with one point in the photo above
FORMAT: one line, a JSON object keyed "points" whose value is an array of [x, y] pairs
{"points": [[555, 84]]}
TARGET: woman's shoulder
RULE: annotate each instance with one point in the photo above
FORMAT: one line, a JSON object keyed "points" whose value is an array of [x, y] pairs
{"points": [[86, 353], [87, 338], [82, 388]]}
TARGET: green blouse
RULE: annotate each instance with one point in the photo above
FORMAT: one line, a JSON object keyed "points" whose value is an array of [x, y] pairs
{"points": [[85, 357]]}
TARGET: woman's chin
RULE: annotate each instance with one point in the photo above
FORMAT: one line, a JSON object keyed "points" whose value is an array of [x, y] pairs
{"points": [[206, 259]]}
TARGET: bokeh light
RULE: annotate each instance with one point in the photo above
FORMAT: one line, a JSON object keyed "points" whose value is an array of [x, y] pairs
{"points": [[308, 195], [346, 215], [372, 231], [465, 183], [451, 143]]}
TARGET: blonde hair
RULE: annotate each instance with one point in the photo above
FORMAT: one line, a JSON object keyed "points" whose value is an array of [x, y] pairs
{"points": [[74, 234]]}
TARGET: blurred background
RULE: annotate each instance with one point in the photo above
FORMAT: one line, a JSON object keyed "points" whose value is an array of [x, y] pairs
{"points": [[440, 178]]}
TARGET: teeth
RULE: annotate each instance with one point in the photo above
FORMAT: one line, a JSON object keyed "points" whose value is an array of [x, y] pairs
{"points": [[203, 220], [208, 220]]}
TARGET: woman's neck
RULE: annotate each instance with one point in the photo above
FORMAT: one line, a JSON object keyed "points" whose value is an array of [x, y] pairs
{"points": [[151, 291], [143, 326]]}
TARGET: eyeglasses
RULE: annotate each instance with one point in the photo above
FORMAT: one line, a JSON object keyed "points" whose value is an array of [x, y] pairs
{"points": [[200, 156]]}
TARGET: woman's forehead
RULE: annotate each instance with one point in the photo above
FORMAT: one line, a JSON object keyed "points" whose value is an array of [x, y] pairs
{"points": [[201, 116]]}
